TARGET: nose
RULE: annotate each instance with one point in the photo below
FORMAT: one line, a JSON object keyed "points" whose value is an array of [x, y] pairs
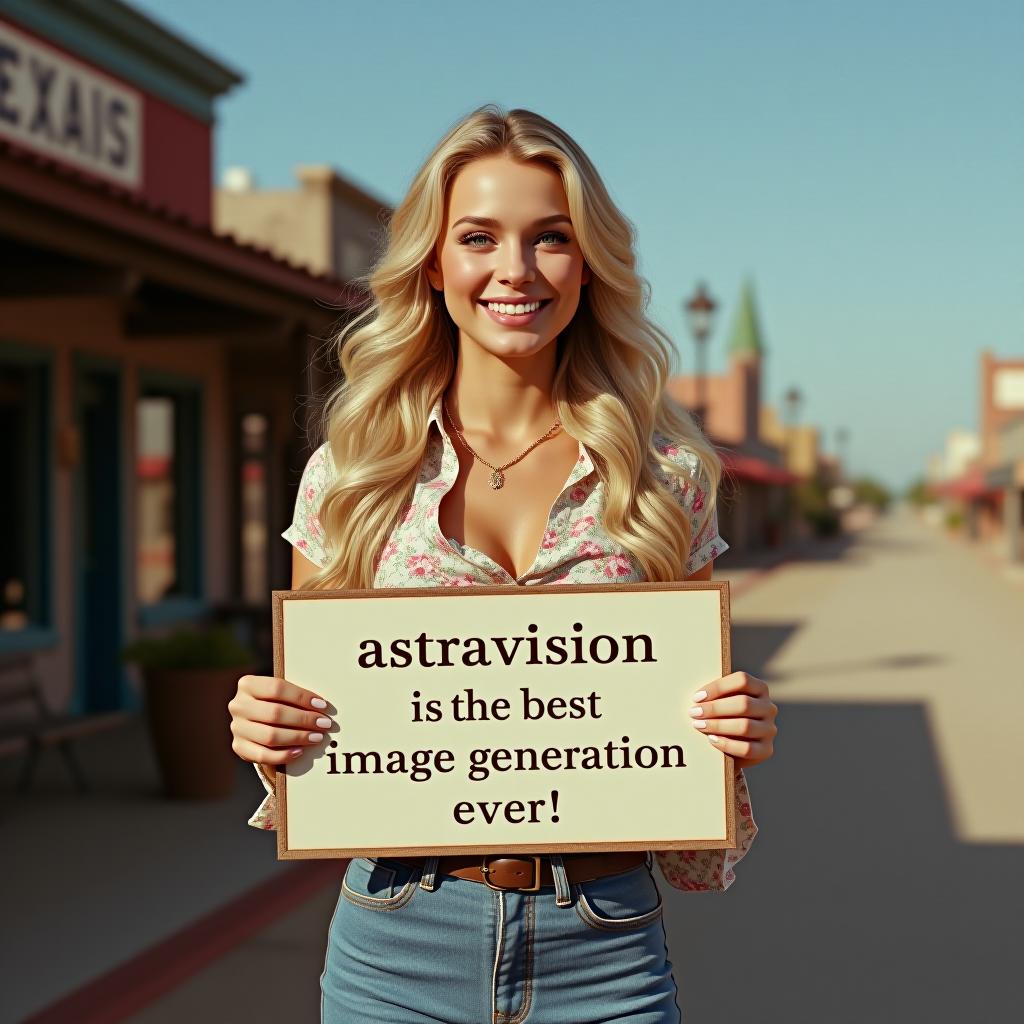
{"points": [[517, 266]]}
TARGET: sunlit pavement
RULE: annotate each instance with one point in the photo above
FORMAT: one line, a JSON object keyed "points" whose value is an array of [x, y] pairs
{"points": [[884, 885]]}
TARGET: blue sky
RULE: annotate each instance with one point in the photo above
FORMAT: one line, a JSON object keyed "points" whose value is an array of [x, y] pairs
{"points": [[861, 163]]}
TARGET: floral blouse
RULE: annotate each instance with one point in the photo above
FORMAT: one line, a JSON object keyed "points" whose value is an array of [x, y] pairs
{"points": [[574, 549]]}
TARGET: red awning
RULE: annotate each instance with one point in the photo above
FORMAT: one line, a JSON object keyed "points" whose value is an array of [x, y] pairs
{"points": [[755, 470], [970, 486]]}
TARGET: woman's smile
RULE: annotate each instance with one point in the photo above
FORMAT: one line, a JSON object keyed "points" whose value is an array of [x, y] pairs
{"points": [[508, 314]]}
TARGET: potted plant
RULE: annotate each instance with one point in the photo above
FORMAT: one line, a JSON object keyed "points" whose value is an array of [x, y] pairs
{"points": [[189, 676]]}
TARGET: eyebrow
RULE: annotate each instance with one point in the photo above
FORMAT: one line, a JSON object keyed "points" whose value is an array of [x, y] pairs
{"points": [[489, 222]]}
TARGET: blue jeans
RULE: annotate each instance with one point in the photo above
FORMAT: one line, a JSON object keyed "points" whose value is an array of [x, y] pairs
{"points": [[407, 945]]}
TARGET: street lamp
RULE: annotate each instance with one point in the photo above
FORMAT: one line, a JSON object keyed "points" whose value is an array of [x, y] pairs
{"points": [[793, 399], [699, 312]]}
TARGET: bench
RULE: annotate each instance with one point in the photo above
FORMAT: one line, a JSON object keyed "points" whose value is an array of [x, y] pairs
{"points": [[43, 728]]}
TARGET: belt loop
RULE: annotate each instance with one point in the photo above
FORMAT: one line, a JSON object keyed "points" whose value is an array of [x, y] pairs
{"points": [[650, 860], [563, 894], [429, 871]]}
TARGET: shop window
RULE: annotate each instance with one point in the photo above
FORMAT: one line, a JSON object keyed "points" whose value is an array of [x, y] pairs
{"points": [[24, 510], [168, 477], [254, 506]]}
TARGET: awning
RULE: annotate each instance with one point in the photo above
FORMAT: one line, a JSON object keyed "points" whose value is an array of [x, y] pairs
{"points": [[755, 470], [970, 486], [142, 247]]}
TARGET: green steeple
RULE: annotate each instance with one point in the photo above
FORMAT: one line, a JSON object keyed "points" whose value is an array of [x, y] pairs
{"points": [[745, 341]]}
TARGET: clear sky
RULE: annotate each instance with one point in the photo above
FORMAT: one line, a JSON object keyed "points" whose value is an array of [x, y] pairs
{"points": [[861, 163]]}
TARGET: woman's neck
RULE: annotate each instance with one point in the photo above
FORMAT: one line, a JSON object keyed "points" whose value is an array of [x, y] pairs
{"points": [[505, 401]]}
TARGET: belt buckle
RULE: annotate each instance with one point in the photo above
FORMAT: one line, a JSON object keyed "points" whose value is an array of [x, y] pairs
{"points": [[519, 888]]}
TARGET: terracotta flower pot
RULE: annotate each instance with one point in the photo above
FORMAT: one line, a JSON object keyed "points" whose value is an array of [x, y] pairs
{"points": [[188, 719]]}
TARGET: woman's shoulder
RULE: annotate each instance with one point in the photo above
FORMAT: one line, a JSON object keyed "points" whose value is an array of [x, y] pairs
{"points": [[318, 473]]}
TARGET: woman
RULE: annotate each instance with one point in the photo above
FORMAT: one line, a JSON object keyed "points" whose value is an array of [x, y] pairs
{"points": [[503, 420]]}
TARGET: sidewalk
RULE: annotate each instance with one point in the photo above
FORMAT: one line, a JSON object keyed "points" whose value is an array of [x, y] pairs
{"points": [[129, 907], [89, 881]]}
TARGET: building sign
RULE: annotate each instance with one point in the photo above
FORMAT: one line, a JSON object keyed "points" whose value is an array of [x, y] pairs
{"points": [[1008, 388], [60, 107]]}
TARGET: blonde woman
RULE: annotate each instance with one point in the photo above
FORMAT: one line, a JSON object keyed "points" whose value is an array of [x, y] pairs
{"points": [[503, 420]]}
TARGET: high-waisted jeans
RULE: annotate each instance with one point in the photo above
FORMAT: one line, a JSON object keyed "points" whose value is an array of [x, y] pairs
{"points": [[407, 945]]}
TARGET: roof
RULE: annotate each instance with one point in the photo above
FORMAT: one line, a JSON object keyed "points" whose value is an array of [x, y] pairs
{"points": [[40, 178], [746, 333]]}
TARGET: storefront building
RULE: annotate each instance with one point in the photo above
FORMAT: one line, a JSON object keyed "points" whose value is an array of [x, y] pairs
{"points": [[149, 367]]}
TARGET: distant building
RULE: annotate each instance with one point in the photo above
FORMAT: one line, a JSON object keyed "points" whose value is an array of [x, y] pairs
{"points": [[800, 443], [1002, 446], [328, 224], [754, 506], [983, 474]]}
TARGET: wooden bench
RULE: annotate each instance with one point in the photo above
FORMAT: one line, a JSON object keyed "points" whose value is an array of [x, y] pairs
{"points": [[28, 735]]}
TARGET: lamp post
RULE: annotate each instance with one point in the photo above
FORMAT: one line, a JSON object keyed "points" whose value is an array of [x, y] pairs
{"points": [[842, 437], [793, 398], [699, 312]]}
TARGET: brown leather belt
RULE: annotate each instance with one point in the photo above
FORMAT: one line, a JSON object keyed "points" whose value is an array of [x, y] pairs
{"points": [[528, 872]]}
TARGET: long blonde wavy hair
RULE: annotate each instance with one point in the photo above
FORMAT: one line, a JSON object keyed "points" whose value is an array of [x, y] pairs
{"points": [[398, 355]]}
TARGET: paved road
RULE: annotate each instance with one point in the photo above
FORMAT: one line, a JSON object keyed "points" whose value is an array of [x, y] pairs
{"points": [[886, 884]]}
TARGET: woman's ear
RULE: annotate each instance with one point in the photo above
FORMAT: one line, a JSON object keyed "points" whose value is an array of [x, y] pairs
{"points": [[585, 276], [433, 273]]}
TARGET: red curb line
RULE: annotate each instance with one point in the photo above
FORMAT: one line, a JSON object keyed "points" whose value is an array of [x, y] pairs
{"points": [[137, 982]]}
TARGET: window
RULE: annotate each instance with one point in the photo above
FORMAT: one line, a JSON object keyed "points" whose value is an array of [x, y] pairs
{"points": [[24, 509], [254, 508], [167, 492]]}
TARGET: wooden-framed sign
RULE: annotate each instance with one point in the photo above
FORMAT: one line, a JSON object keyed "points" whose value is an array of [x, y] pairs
{"points": [[542, 719]]}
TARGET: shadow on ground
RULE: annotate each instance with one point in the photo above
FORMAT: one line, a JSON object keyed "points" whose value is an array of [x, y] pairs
{"points": [[856, 902]]}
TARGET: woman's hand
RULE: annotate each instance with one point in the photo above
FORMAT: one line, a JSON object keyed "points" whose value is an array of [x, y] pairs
{"points": [[736, 714], [273, 721]]}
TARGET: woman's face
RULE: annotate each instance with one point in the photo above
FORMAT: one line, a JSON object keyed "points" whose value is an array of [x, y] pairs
{"points": [[526, 252]]}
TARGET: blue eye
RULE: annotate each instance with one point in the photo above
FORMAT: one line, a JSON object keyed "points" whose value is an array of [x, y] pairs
{"points": [[466, 240]]}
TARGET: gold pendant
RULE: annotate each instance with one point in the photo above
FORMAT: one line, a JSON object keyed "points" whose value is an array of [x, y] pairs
{"points": [[497, 479]]}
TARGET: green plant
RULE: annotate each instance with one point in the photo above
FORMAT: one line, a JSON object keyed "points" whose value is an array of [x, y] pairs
{"points": [[870, 492], [954, 519], [190, 647]]}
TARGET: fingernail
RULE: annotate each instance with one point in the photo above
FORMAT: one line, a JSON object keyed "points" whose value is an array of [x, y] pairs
{"points": [[699, 725], [696, 712], [295, 752], [323, 723], [315, 737], [715, 739], [700, 695], [318, 702]]}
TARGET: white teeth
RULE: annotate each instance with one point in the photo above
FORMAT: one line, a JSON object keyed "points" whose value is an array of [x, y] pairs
{"points": [[501, 307]]}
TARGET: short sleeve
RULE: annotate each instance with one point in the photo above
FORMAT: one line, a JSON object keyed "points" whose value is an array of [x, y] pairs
{"points": [[690, 488], [265, 816], [305, 531]]}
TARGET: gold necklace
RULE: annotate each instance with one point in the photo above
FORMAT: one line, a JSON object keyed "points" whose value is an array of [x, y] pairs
{"points": [[498, 476]]}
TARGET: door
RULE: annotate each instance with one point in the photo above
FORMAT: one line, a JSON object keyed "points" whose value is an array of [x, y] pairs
{"points": [[99, 683]]}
